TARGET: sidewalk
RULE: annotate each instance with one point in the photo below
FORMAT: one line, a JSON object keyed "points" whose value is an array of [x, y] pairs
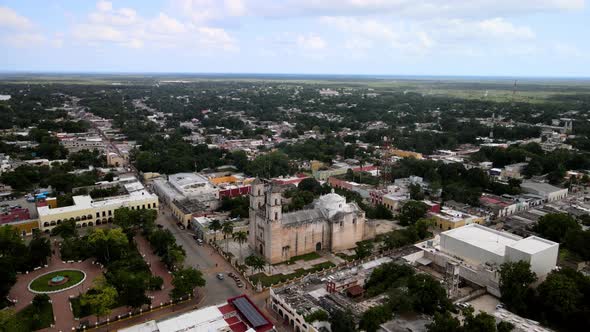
{"points": [[64, 318], [157, 268]]}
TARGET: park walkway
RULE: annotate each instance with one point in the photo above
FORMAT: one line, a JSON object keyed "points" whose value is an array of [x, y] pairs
{"points": [[64, 318], [157, 268]]}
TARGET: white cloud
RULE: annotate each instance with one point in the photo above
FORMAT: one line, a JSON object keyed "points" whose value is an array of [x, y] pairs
{"points": [[167, 24], [417, 9], [12, 20], [421, 37], [199, 10], [125, 27], [366, 32], [235, 7], [100, 33], [19, 32], [217, 37], [123, 16], [104, 6], [311, 42], [134, 43], [494, 29], [498, 27]]}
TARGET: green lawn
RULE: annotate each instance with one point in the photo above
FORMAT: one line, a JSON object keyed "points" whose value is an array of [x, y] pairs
{"points": [[346, 257], [41, 284], [305, 257], [278, 278]]}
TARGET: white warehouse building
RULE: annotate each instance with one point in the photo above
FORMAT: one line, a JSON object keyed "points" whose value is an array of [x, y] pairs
{"points": [[480, 245], [548, 192]]}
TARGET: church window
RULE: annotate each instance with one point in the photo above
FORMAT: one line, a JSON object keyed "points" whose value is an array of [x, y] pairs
{"points": [[276, 216], [276, 201], [354, 221]]}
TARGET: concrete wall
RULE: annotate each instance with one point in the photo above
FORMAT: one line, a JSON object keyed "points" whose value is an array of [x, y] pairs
{"points": [[301, 239], [557, 195], [541, 262], [348, 232], [475, 274]]}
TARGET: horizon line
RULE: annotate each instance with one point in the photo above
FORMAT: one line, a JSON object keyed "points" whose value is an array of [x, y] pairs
{"points": [[246, 74]]}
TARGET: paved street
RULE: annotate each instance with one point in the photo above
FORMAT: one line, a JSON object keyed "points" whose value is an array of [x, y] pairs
{"points": [[205, 259]]}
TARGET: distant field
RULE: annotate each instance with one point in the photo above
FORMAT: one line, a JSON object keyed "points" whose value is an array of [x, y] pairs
{"points": [[495, 89]]}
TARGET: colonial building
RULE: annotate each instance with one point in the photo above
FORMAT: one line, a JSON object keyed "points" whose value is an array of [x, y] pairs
{"points": [[330, 223], [87, 211]]}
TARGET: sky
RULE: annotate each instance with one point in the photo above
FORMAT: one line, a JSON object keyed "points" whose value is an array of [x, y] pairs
{"points": [[537, 38]]}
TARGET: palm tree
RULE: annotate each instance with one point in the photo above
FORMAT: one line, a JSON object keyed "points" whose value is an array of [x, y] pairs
{"points": [[228, 229], [241, 238], [255, 262], [215, 225]]}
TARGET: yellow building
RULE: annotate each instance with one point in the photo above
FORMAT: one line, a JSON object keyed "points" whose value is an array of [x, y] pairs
{"points": [[405, 154], [223, 179], [150, 175], [24, 227], [316, 165], [393, 201], [325, 174], [450, 219], [88, 212]]}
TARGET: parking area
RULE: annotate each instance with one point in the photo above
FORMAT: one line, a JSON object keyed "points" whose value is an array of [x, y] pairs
{"points": [[22, 202], [486, 303]]}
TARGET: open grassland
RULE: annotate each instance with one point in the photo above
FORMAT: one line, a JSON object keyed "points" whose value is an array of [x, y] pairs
{"points": [[493, 89]]}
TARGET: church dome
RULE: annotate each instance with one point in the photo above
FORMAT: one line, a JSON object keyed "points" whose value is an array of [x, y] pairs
{"points": [[331, 203]]}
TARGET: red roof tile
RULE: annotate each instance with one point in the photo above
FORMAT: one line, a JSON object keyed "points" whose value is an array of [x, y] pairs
{"points": [[225, 309]]}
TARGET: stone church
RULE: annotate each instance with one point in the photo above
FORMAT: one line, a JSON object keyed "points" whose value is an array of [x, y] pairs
{"points": [[330, 223]]}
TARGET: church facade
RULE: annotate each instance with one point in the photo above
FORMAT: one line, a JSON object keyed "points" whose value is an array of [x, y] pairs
{"points": [[329, 224]]}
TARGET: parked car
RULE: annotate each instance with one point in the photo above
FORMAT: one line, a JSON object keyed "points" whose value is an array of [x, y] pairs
{"points": [[220, 276], [180, 225], [462, 305], [160, 226]]}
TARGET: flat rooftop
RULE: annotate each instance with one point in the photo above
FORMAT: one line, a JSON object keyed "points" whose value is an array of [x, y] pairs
{"points": [[82, 202], [483, 237], [238, 314], [185, 179], [533, 244], [540, 186]]}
